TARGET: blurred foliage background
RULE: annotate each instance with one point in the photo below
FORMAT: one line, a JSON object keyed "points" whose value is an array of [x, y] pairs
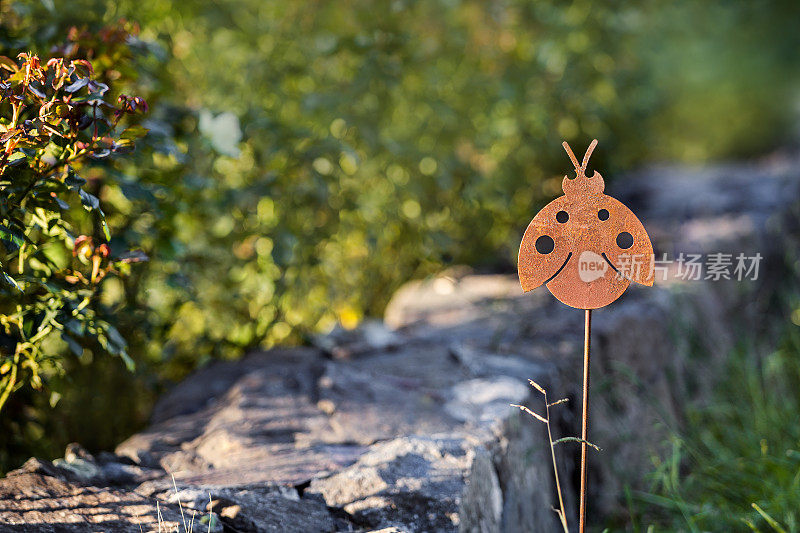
{"points": [[306, 158]]}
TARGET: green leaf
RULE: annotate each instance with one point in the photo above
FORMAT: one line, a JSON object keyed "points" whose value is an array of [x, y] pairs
{"points": [[60, 141], [73, 181], [77, 85], [36, 91], [12, 239], [134, 132], [89, 201], [74, 346], [8, 64], [61, 203], [91, 98], [54, 398], [129, 363], [9, 280], [17, 158], [74, 327], [115, 337], [771, 521]]}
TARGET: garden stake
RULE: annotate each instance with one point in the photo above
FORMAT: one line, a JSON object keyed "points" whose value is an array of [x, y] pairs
{"points": [[587, 332], [585, 247]]}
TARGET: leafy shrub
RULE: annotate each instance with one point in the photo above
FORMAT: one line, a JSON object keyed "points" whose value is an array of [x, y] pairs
{"points": [[330, 154], [55, 121], [324, 172]]}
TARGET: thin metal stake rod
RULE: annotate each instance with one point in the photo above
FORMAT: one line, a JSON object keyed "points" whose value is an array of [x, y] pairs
{"points": [[585, 417]]}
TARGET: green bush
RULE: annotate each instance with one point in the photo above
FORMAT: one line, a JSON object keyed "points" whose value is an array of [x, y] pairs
{"points": [[55, 119], [324, 156], [326, 170], [63, 125]]}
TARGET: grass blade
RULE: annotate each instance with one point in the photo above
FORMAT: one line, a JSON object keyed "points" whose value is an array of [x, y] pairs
{"points": [[576, 439], [523, 408], [771, 521], [537, 386]]}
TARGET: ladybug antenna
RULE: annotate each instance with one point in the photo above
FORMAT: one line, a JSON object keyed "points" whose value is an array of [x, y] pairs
{"points": [[581, 169], [571, 155], [582, 183], [588, 154]]}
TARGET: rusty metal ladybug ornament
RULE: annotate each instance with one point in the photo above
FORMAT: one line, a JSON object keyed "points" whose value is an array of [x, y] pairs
{"points": [[585, 246]]}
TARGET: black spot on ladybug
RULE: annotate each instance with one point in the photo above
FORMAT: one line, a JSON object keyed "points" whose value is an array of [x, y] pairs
{"points": [[624, 240], [603, 214], [545, 244], [562, 216]]}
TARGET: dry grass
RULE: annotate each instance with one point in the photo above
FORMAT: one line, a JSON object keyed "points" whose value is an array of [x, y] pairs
{"points": [[187, 528], [546, 420]]}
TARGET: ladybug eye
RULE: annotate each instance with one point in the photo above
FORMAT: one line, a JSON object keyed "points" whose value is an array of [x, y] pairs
{"points": [[602, 214], [562, 216], [545, 244]]}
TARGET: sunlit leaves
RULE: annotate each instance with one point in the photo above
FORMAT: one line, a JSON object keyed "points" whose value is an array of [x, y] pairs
{"points": [[55, 120]]}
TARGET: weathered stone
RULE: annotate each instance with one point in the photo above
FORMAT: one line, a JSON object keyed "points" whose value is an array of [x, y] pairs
{"points": [[270, 429], [411, 482], [371, 336], [256, 508], [41, 498]]}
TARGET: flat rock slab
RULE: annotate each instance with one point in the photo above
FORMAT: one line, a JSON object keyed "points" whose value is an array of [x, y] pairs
{"points": [[415, 483], [42, 498], [401, 438]]}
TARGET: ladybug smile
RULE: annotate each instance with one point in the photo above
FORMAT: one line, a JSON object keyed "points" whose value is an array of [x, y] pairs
{"points": [[569, 256], [610, 263]]}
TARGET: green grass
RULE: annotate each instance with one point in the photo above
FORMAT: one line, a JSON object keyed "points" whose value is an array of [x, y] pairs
{"points": [[736, 465]]}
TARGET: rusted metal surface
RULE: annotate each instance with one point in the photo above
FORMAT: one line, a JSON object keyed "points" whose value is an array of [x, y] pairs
{"points": [[587, 330], [585, 246]]}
